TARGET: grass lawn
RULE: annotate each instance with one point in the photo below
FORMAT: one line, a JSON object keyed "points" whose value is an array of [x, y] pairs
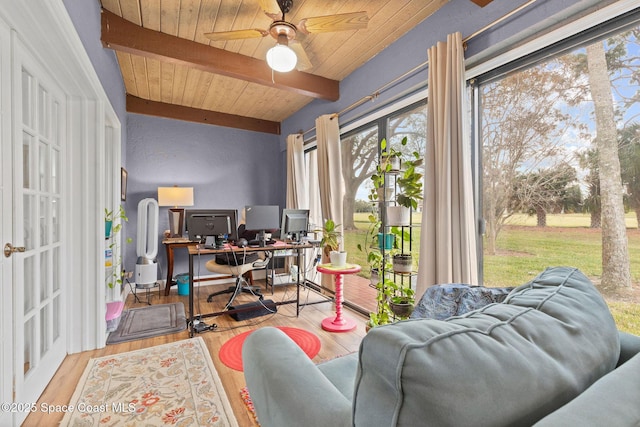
{"points": [[525, 250]]}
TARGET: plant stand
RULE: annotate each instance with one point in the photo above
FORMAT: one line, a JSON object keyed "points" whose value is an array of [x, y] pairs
{"points": [[338, 323]]}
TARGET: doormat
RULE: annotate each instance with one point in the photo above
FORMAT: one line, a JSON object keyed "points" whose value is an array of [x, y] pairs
{"points": [[231, 351], [170, 384], [151, 321]]}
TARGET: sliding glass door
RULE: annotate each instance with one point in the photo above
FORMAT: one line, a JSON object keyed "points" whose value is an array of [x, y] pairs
{"points": [[360, 153], [560, 147]]}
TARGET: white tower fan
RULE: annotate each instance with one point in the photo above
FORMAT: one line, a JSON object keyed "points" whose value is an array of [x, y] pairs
{"points": [[146, 273]]}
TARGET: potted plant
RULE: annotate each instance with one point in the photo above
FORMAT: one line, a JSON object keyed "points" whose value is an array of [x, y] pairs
{"points": [[331, 243], [394, 301], [395, 296], [112, 252], [390, 158], [402, 263], [377, 260], [383, 314], [409, 194], [373, 253], [110, 217], [410, 183], [402, 298]]}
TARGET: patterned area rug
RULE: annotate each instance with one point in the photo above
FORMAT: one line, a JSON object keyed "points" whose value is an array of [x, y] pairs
{"points": [[170, 384], [248, 403]]}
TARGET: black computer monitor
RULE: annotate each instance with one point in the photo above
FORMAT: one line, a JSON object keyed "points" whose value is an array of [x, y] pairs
{"points": [[212, 222], [262, 218], [295, 223]]}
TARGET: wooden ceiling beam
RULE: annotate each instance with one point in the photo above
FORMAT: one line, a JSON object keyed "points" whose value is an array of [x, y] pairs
{"points": [[179, 112], [481, 3], [125, 36]]}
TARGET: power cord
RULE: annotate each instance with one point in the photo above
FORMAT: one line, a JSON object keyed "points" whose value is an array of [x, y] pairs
{"points": [[199, 326]]}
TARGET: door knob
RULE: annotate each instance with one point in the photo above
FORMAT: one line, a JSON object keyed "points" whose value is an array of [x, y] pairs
{"points": [[9, 249]]}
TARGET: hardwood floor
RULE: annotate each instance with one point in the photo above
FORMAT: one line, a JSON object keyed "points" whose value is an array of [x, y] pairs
{"points": [[63, 384]]}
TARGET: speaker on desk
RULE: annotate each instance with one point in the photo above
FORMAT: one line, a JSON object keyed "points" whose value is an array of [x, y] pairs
{"points": [[253, 309]]}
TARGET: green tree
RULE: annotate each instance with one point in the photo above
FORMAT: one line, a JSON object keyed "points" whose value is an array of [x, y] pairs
{"points": [[572, 201], [589, 161], [360, 153], [359, 160], [523, 124], [543, 191], [629, 153], [615, 254]]}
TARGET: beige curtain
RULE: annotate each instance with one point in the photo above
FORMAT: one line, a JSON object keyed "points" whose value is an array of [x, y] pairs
{"points": [[330, 167], [297, 195], [448, 242], [329, 174], [315, 211]]}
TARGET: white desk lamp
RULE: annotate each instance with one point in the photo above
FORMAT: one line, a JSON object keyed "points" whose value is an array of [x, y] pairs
{"points": [[175, 196]]}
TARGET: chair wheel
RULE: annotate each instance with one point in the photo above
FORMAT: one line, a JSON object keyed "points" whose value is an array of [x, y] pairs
{"points": [[209, 298]]}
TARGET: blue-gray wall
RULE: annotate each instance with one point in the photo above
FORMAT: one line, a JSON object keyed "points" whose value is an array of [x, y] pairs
{"points": [[230, 168], [227, 169]]}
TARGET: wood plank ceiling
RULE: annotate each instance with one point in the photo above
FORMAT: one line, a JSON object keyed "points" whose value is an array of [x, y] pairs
{"points": [[171, 69]]}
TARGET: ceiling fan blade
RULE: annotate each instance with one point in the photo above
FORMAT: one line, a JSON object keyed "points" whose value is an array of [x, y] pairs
{"points": [[236, 35], [303, 60], [340, 22], [271, 9]]}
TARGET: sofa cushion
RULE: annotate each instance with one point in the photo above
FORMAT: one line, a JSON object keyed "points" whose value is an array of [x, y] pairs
{"points": [[629, 346], [341, 371], [612, 401], [505, 364]]}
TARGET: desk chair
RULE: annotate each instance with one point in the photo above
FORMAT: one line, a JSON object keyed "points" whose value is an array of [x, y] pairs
{"points": [[238, 271]]}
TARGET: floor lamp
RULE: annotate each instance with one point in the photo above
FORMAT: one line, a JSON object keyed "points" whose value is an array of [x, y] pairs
{"points": [[175, 196]]}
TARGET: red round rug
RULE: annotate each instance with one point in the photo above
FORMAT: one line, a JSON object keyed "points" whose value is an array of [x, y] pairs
{"points": [[231, 352]]}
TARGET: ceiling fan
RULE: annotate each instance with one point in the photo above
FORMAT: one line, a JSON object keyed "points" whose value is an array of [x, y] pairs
{"points": [[287, 53]]}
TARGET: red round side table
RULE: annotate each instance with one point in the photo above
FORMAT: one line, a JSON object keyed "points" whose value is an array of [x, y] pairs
{"points": [[338, 323]]}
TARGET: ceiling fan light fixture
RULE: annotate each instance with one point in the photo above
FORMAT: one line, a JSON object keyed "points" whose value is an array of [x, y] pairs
{"points": [[281, 58]]}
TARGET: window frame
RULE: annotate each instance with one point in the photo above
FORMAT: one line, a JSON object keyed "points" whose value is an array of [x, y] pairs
{"points": [[578, 34]]}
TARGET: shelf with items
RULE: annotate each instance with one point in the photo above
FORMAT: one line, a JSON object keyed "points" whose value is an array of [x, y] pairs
{"points": [[396, 191], [277, 274]]}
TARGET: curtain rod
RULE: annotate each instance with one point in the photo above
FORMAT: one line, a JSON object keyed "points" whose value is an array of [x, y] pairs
{"points": [[377, 93]]}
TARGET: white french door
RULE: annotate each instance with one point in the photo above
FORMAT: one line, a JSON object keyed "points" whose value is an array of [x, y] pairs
{"points": [[54, 186], [38, 153], [6, 204]]}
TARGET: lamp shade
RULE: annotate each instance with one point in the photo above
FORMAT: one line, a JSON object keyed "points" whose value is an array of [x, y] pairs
{"points": [[175, 196], [281, 58]]}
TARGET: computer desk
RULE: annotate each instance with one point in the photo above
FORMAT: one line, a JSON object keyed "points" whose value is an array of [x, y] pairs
{"points": [[200, 251], [171, 244]]}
